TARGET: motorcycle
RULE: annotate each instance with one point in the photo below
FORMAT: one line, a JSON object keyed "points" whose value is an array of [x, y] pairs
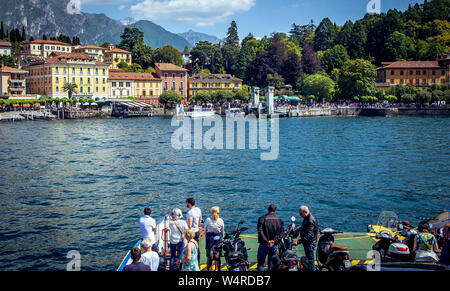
{"points": [[234, 249], [391, 249], [329, 255], [287, 259]]}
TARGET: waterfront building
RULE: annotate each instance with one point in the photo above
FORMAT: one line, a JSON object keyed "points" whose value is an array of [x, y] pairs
{"points": [[144, 87], [44, 48], [115, 56], [420, 74], [5, 48], [47, 76], [213, 82], [12, 81], [97, 52], [173, 78]]}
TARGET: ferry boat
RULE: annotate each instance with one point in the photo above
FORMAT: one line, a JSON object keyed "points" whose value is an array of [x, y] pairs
{"points": [[358, 243], [199, 112]]}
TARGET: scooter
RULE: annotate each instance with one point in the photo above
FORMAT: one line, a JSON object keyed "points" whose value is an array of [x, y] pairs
{"points": [[286, 259], [235, 252], [391, 249], [329, 255]]}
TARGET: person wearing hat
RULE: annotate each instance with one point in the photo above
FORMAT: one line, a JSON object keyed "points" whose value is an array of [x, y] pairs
{"points": [[177, 227], [149, 257]]}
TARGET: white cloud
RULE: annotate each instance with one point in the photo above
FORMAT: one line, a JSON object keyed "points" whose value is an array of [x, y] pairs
{"points": [[200, 12], [103, 2]]}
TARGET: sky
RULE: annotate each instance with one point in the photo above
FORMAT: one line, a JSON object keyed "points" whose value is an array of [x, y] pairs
{"points": [[260, 17]]}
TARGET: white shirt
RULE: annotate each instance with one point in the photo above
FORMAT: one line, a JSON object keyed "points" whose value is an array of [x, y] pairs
{"points": [[150, 259], [148, 227], [175, 235], [195, 213], [214, 226]]}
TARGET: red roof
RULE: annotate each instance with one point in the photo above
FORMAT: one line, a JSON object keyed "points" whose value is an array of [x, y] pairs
{"points": [[5, 43], [62, 58], [118, 50], [169, 67], [11, 70], [49, 42], [411, 65], [132, 76], [91, 47]]}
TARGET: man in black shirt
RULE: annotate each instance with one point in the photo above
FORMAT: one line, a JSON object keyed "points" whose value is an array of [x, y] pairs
{"points": [[269, 226], [308, 234]]}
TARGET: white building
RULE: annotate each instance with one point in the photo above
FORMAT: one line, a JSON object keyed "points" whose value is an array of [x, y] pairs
{"points": [[5, 48]]}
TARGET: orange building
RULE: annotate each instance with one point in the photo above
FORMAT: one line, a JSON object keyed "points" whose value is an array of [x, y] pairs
{"points": [[413, 73], [12, 81]]}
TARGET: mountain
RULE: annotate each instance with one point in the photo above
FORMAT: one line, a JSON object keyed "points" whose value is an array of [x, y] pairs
{"points": [[51, 17], [54, 17], [156, 36], [194, 37]]}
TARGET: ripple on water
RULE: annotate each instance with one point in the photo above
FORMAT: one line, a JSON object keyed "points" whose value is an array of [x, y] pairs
{"points": [[81, 185]]}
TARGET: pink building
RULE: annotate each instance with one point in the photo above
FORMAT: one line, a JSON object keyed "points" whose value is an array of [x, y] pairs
{"points": [[173, 78]]}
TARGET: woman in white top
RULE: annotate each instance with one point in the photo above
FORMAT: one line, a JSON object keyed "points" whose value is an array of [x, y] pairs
{"points": [[214, 230], [177, 227]]}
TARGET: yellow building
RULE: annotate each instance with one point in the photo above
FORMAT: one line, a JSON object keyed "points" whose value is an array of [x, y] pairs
{"points": [[115, 56], [97, 52], [142, 86], [212, 82], [413, 73], [47, 77]]}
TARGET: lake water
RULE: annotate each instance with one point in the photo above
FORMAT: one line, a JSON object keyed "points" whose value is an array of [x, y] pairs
{"points": [[82, 184]]}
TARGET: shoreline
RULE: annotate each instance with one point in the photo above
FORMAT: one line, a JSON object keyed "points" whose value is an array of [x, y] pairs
{"points": [[13, 116]]}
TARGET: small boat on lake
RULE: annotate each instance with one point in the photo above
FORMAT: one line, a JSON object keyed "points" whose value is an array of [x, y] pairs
{"points": [[199, 112]]}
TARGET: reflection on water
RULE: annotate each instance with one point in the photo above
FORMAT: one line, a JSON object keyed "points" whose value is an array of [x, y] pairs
{"points": [[81, 185]]}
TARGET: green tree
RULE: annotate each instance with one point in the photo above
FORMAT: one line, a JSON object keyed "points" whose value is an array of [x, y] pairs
{"points": [[170, 97], [356, 78], [131, 37], [398, 46], [325, 35], [344, 34], [202, 54], [230, 49], [202, 97], [223, 96], [357, 41], [334, 58], [242, 95], [423, 96], [70, 88], [319, 85], [143, 55], [167, 54], [275, 80]]}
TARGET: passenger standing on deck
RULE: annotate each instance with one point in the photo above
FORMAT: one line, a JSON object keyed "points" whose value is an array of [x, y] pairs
{"points": [[136, 265], [308, 234], [147, 225], [445, 253], [177, 227], [425, 240], [189, 261], [194, 219], [149, 257], [214, 231], [269, 227]]}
